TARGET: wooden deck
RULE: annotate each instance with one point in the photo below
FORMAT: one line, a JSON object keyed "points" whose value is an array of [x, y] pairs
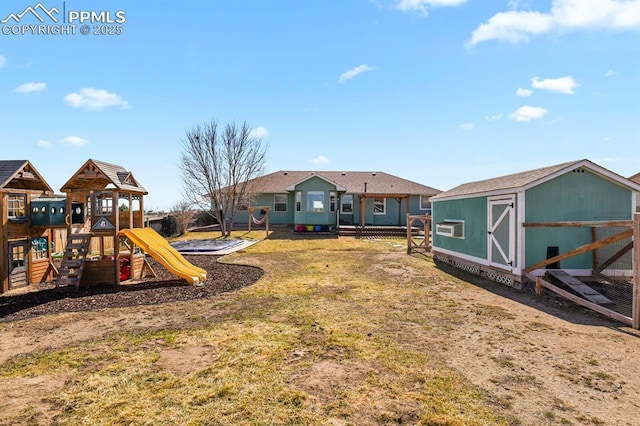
{"points": [[377, 231]]}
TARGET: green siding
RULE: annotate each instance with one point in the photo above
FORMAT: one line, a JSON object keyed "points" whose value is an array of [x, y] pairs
{"points": [[305, 217], [275, 218], [573, 196], [473, 211]]}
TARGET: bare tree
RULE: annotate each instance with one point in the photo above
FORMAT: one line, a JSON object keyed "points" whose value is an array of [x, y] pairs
{"points": [[217, 167], [183, 214]]}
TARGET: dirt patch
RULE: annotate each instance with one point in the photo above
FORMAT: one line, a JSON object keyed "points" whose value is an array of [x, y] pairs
{"points": [[187, 360], [164, 288]]}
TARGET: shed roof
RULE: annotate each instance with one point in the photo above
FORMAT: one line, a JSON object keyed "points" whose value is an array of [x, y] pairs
{"points": [[351, 182], [97, 175], [525, 180], [20, 174]]}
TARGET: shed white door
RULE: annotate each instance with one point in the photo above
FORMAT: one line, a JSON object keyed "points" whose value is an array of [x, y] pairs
{"points": [[502, 231]]}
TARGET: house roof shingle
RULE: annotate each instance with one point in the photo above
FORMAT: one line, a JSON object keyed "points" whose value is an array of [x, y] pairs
{"points": [[352, 182]]}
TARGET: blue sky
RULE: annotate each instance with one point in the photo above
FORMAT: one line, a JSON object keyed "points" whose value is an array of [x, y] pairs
{"points": [[440, 92]]}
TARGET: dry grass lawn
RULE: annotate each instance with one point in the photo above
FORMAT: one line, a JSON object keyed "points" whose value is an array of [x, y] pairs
{"points": [[338, 331]]}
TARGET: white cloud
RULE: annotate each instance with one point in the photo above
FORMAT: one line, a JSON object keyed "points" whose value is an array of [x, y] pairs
{"points": [[525, 93], [30, 87], [610, 73], [320, 159], [422, 6], [562, 84], [348, 75], [567, 15], [259, 133], [97, 99], [466, 126], [494, 117], [74, 141], [3, 61], [528, 113], [43, 144]]}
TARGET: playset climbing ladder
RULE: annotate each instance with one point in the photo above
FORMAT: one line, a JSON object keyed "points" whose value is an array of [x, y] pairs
{"points": [[75, 254]]}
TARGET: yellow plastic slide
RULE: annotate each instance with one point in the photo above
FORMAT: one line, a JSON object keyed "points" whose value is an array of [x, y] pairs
{"points": [[158, 247]]}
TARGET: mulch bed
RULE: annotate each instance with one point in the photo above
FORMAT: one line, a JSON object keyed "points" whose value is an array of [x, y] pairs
{"points": [[166, 287]]}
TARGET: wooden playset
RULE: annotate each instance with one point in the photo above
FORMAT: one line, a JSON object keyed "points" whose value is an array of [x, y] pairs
{"points": [[81, 237]]}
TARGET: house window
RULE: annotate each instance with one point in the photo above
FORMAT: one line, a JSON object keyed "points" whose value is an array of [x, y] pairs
{"points": [[16, 205], [379, 205], [298, 201], [451, 228], [332, 201], [347, 204], [40, 248], [315, 201], [425, 203], [280, 202]]}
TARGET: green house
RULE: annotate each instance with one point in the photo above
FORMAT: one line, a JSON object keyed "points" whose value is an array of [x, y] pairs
{"points": [[325, 200], [479, 226]]}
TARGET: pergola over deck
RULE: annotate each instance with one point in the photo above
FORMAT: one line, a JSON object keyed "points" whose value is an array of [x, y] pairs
{"points": [[398, 197]]}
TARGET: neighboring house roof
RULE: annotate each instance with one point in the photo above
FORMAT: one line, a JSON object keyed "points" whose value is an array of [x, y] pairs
{"points": [[635, 178], [528, 179], [351, 182], [96, 174], [20, 174]]}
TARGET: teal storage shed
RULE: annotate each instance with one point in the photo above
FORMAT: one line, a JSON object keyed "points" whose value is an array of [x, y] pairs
{"points": [[480, 226]]}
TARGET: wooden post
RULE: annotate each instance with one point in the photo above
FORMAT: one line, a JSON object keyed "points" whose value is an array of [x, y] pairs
{"points": [[409, 240], [636, 272]]}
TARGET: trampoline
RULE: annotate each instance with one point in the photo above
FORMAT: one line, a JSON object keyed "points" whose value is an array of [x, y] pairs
{"points": [[210, 246]]}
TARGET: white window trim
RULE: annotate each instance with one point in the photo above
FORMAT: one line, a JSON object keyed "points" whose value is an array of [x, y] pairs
{"points": [[342, 204], [425, 208], [384, 207], [286, 203], [311, 210]]}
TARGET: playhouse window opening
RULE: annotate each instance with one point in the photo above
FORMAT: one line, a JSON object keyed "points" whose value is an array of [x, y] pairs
{"points": [[346, 206], [17, 256], [104, 205], [315, 201], [16, 205], [379, 206], [40, 248], [280, 202]]}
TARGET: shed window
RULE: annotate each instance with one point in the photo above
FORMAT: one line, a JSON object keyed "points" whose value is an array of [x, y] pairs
{"points": [[16, 205], [40, 248], [298, 201], [347, 204], [280, 202], [451, 228], [379, 206], [332, 201], [315, 201]]}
